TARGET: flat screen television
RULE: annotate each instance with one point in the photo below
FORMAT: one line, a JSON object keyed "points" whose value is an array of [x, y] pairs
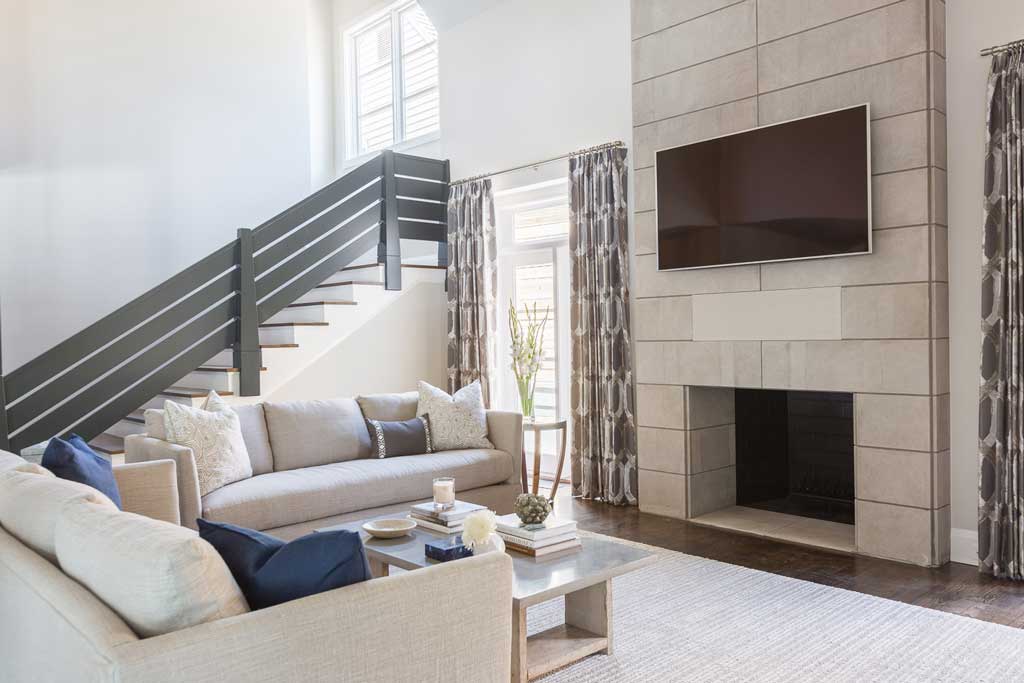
{"points": [[793, 190]]}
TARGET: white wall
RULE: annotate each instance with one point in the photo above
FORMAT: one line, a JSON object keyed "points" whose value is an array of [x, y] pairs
{"points": [[970, 26], [150, 131]]}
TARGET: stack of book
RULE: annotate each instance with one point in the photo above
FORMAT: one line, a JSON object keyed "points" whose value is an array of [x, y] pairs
{"points": [[445, 522], [552, 536]]}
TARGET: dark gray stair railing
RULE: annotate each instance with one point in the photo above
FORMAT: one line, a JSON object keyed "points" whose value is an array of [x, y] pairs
{"points": [[96, 377]]}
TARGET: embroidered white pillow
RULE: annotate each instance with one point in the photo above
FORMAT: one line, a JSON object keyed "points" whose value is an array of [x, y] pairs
{"points": [[458, 421], [214, 434]]}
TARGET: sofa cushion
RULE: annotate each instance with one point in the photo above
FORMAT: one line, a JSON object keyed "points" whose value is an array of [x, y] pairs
{"points": [[270, 571], [74, 460], [30, 504], [458, 420], [10, 461], [310, 433], [389, 407], [399, 437], [214, 433], [158, 577], [254, 433], [282, 498]]}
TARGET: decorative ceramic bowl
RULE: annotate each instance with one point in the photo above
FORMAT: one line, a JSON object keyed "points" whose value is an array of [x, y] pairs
{"points": [[389, 528]]}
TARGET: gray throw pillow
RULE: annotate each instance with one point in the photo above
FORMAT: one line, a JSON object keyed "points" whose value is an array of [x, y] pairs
{"points": [[399, 437]]}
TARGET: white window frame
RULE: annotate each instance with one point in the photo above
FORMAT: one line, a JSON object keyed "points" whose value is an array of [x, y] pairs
{"points": [[352, 157]]}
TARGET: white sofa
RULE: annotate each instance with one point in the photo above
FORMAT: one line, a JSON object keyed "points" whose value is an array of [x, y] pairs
{"points": [[448, 622], [311, 466]]}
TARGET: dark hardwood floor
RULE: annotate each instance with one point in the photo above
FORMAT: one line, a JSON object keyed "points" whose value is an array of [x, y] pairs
{"points": [[955, 588]]}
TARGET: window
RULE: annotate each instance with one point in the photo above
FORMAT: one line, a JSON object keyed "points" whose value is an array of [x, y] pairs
{"points": [[541, 223], [392, 82]]}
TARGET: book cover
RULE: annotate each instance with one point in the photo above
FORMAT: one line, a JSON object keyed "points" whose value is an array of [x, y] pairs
{"points": [[552, 526], [548, 550], [446, 549], [460, 510], [441, 528], [541, 543]]}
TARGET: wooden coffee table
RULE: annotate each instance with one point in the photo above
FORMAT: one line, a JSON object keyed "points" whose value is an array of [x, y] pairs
{"points": [[583, 576]]}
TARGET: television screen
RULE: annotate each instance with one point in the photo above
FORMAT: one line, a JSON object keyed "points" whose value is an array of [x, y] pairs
{"points": [[793, 190]]}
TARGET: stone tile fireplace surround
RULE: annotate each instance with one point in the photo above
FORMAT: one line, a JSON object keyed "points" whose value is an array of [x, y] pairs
{"points": [[874, 326]]}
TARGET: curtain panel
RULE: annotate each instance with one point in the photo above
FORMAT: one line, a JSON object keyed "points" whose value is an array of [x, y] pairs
{"points": [[603, 453], [1001, 408], [472, 287]]}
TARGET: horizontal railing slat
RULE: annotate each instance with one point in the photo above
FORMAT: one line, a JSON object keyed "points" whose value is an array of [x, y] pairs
{"points": [[428, 211], [291, 218], [318, 274], [297, 240], [422, 189], [419, 167], [122, 378], [38, 370], [98, 422], [32, 405], [304, 259], [431, 232]]}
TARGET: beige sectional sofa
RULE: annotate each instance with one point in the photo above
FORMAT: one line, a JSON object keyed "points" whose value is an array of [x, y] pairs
{"points": [[312, 466], [448, 622]]}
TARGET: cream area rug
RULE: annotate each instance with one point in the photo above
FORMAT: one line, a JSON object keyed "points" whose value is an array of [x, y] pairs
{"points": [[687, 618]]}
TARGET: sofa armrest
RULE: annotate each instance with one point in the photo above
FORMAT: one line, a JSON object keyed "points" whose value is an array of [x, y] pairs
{"points": [[448, 622], [150, 489], [139, 448], [505, 431]]}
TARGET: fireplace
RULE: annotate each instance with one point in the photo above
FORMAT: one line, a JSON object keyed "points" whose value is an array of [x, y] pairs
{"points": [[795, 453]]}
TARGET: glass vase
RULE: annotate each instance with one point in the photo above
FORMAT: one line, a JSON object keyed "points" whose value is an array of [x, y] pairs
{"points": [[526, 397]]}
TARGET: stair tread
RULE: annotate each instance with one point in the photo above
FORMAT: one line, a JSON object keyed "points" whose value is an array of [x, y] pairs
{"points": [[368, 283], [192, 392], [404, 265], [279, 346], [305, 304], [218, 368], [294, 324], [138, 416], [108, 443]]}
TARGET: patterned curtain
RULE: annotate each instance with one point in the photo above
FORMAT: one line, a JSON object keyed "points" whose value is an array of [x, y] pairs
{"points": [[604, 435], [1001, 413], [472, 286]]}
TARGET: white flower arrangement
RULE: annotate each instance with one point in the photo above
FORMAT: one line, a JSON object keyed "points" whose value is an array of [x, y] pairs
{"points": [[527, 335], [478, 527]]}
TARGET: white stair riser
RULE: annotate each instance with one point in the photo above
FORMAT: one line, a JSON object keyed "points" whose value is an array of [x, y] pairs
{"points": [[375, 274], [337, 293], [217, 381], [224, 359], [126, 428], [302, 314], [159, 400], [278, 335]]}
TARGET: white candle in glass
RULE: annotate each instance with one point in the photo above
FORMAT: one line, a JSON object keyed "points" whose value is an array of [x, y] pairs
{"points": [[444, 492]]}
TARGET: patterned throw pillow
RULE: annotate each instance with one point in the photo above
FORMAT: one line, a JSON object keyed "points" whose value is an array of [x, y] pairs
{"points": [[458, 421], [214, 434], [399, 437]]}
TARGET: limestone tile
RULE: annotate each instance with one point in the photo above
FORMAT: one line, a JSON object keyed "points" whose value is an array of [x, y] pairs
{"points": [[645, 189], [940, 212], [721, 80], [887, 421], [938, 26], [728, 364], [651, 282], [940, 366], [663, 450], [938, 79], [712, 490], [645, 227], [665, 319], [886, 312], [892, 88], [940, 479], [662, 493], [711, 448], [894, 532], [899, 477], [899, 199], [780, 314], [888, 366], [881, 35], [940, 422], [687, 128], [778, 18], [940, 253], [818, 533], [899, 255], [660, 406], [939, 151], [941, 523], [704, 38], [648, 17], [899, 143], [710, 407], [940, 309]]}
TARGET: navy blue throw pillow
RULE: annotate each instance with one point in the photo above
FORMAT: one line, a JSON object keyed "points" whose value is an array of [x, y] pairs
{"points": [[74, 460], [270, 571]]}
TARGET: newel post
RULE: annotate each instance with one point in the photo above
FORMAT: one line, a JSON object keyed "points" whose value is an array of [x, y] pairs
{"points": [[247, 354], [389, 251]]}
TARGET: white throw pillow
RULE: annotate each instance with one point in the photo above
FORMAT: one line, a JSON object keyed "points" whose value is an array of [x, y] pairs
{"points": [[155, 424], [458, 421], [214, 434], [158, 577]]}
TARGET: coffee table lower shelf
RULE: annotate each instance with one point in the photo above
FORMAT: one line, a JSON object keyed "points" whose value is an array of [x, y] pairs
{"points": [[560, 646]]}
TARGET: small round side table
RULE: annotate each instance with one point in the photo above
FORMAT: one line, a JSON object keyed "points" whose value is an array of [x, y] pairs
{"points": [[538, 427]]}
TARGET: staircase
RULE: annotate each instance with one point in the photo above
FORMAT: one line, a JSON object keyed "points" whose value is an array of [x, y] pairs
{"points": [[245, 319]]}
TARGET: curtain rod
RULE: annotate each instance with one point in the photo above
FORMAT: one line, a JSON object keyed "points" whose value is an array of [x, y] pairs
{"points": [[1002, 48], [595, 148]]}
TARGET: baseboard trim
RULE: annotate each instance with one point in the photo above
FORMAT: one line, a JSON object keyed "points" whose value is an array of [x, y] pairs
{"points": [[963, 546]]}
